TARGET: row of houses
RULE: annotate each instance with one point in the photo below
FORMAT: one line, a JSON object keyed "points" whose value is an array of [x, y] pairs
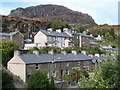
{"points": [[60, 39], [59, 65]]}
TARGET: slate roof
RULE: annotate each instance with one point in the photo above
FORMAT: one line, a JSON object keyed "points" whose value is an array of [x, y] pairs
{"points": [[8, 34], [93, 43], [46, 58], [98, 59], [84, 35], [53, 33]]}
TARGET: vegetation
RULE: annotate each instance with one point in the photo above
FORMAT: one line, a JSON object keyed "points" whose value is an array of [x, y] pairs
{"points": [[44, 50], [7, 80], [52, 84], [38, 79], [80, 29], [57, 24], [95, 50], [69, 49], [105, 77], [75, 75], [7, 50]]}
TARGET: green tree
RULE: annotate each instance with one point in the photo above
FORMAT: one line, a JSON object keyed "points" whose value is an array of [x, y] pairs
{"points": [[75, 75], [7, 50], [7, 80], [80, 29], [105, 77], [52, 84], [95, 51], [57, 24], [38, 79], [108, 37]]}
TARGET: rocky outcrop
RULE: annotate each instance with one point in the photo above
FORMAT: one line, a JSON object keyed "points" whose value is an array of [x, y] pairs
{"points": [[53, 12]]}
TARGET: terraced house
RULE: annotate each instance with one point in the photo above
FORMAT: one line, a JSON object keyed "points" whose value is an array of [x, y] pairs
{"points": [[56, 38], [16, 37], [23, 65]]}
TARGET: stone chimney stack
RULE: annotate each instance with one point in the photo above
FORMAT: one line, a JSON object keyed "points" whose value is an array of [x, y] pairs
{"points": [[84, 52], [74, 52], [97, 55], [36, 52], [16, 53], [50, 52], [64, 52]]}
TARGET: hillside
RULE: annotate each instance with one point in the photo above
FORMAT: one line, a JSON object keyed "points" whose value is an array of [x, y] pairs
{"points": [[24, 25], [53, 12]]}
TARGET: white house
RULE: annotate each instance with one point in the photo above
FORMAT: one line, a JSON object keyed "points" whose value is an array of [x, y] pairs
{"points": [[57, 38]]}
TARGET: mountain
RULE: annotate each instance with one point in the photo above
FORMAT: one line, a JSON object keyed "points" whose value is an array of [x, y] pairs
{"points": [[10, 24], [54, 12]]}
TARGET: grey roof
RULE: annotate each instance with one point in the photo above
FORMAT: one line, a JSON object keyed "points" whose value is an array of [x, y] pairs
{"points": [[8, 34], [98, 59], [53, 33], [93, 43], [46, 58], [84, 35]]}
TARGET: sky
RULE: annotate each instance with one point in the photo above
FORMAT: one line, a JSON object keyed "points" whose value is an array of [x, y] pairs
{"points": [[102, 11]]}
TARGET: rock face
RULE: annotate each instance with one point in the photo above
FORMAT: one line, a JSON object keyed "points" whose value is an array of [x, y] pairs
{"points": [[53, 12]]}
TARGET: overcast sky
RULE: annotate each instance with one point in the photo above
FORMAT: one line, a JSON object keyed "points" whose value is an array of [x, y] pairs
{"points": [[102, 11]]}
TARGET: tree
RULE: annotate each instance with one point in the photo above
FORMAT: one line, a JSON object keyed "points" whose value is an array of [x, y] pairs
{"points": [[7, 80], [80, 29], [38, 79], [105, 77], [52, 84], [75, 75], [57, 24], [108, 37], [95, 50], [7, 49]]}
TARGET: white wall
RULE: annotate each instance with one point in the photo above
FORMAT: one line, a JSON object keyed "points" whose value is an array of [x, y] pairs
{"points": [[17, 67], [40, 37]]}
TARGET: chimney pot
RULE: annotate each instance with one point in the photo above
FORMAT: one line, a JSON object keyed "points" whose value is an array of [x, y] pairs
{"points": [[36, 52], [84, 52], [74, 52], [50, 52], [64, 52]]}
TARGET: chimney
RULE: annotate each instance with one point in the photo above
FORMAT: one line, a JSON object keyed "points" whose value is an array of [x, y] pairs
{"points": [[84, 52], [74, 52], [58, 30], [97, 55], [36, 52], [65, 29], [16, 53], [49, 29], [91, 55], [64, 52], [50, 52]]}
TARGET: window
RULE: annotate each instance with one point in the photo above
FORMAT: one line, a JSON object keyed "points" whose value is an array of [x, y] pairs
{"points": [[48, 75], [67, 72], [29, 74], [54, 65], [86, 67], [78, 63], [67, 64], [37, 66]]}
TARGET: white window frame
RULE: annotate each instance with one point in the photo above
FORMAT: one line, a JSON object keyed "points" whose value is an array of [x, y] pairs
{"points": [[37, 66], [78, 63]]}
